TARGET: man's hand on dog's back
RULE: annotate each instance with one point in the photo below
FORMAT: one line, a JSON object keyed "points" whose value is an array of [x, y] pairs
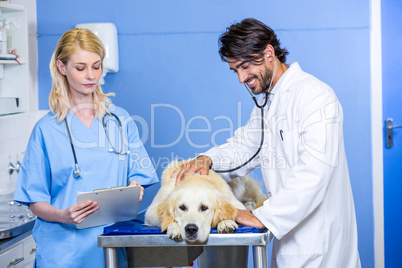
{"points": [[201, 164]]}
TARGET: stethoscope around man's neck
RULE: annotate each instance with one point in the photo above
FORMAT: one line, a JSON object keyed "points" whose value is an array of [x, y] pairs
{"points": [[77, 172], [262, 121]]}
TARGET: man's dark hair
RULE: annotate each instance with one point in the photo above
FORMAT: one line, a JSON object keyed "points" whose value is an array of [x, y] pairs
{"points": [[247, 41]]}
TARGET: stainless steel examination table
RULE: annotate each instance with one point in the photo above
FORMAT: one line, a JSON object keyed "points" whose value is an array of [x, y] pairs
{"points": [[133, 235]]}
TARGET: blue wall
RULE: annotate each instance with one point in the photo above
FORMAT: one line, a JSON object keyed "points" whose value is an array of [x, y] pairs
{"points": [[171, 74]]}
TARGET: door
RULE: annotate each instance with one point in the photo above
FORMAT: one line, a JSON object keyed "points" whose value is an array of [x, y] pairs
{"points": [[391, 20]]}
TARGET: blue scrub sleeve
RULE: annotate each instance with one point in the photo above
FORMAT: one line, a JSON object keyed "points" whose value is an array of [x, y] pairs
{"points": [[140, 166], [34, 176]]}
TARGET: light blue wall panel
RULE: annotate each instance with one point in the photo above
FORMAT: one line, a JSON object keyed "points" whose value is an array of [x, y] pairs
{"points": [[160, 16], [171, 74]]}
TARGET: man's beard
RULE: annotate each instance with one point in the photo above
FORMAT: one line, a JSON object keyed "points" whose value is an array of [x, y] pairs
{"points": [[265, 80]]}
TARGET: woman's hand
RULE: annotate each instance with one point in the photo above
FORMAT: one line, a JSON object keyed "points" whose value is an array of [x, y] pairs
{"points": [[74, 214], [142, 188], [78, 212], [200, 164]]}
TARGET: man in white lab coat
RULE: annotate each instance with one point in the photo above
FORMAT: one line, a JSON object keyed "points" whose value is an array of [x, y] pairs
{"points": [[310, 209]]}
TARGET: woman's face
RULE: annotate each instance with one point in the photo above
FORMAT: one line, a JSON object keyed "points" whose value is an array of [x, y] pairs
{"points": [[83, 71]]}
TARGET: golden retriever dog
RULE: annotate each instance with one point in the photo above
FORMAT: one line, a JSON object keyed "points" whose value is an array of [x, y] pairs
{"points": [[248, 191], [199, 203]]}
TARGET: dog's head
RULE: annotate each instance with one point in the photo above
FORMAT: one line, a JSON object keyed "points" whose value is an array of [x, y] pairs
{"points": [[196, 206]]}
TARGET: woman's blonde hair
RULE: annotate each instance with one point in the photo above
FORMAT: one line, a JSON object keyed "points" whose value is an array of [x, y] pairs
{"points": [[59, 96]]}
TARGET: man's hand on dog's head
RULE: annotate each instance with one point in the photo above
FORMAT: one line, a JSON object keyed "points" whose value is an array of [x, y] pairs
{"points": [[201, 164]]}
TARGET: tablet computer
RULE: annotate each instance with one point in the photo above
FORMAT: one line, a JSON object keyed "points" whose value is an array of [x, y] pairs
{"points": [[115, 204]]}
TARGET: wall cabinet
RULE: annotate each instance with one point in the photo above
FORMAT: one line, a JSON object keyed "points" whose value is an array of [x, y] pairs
{"points": [[14, 91]]}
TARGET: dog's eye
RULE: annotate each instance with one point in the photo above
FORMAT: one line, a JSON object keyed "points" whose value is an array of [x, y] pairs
{"points": [[182, 207], [204, 207]]}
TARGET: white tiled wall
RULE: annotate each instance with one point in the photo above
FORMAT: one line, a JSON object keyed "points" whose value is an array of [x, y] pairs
{"points": [[14, 134]]}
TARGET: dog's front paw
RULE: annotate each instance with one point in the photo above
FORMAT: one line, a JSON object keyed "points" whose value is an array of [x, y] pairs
{"points": [[227, 226], [250, 205], [173, 231], [151, 217]]}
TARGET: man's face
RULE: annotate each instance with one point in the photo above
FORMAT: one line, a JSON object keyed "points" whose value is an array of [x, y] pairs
{"points": [[257, 75]]}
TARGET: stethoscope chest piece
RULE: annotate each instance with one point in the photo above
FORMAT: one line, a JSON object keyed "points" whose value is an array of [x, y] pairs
{"points": [[77, 172]]}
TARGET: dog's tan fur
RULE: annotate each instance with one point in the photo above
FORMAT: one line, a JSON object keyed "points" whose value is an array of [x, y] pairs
{"points": [[248, 191], [197, 204]]}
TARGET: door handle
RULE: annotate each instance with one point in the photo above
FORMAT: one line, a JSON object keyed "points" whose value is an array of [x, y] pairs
{"points": [[16, 261], [11, 167], [389, 127]]}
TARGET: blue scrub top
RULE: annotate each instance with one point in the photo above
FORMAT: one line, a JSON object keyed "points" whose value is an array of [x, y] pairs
{"points": [[46, 175]]}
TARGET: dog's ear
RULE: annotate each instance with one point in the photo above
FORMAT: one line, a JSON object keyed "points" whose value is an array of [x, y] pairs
{"points": [[166, 213], [169, 170], [224, 211]]}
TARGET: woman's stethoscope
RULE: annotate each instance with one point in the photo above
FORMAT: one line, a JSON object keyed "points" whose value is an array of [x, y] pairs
{"points": [[262, 122], [77, 172]]}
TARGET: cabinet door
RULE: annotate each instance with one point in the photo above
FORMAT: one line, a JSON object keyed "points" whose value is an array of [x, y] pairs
{"points": [[29, 264], [13, 258], [14, 76], [29, 249]]}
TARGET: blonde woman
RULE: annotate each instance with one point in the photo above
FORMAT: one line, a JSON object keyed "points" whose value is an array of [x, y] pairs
{"points": [[78, 146]]}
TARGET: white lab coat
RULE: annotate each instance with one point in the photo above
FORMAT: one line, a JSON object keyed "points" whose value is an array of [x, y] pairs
{"points": [[310, 209]]}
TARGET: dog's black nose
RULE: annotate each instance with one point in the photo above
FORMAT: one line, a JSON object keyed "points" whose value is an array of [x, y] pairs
{"points": [[191, 229]]}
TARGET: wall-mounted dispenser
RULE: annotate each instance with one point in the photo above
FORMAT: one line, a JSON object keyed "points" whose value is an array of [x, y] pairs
{"points": [[107, 33]]}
